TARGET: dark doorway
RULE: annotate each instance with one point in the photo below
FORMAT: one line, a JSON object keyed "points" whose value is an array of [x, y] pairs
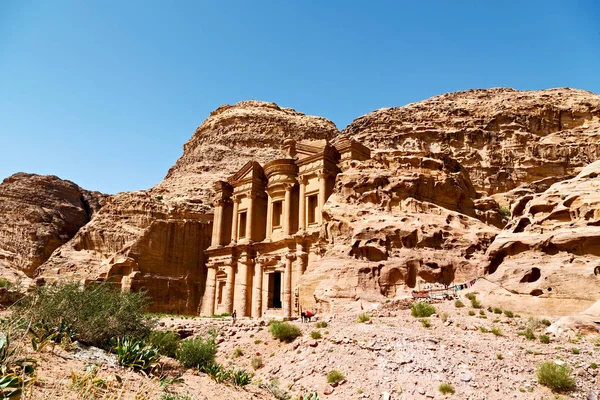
{"points": [[275, 290]]}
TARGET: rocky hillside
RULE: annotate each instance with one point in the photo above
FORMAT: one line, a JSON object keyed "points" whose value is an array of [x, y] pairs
{"points": [[548, 257], [38, 214], [429, 200], [503, 137], [156, 238], [396, 219]]}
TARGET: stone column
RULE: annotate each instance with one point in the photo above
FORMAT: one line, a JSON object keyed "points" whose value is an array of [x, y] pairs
{"points": [[287, 286], [257, 285], [229, 287], [287, 211], [322, 192], [302, 204], [218, 223], [269, 218], [208, 303], [234, 220], [249, 217], [241, 286]]}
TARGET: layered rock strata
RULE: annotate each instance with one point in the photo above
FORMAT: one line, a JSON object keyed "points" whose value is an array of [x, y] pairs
{"points": [[503, 137]]}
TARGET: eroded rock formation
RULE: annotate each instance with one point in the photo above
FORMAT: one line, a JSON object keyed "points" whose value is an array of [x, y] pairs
{"points": [[503, 137], [396, 221], [38, 214], [548, 257]]}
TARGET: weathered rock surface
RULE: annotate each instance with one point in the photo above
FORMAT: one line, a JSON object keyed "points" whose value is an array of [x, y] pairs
{"points": [[503, 137], [396, 219], [229, 138], [155, 238], [38, 214], [548, 256]]}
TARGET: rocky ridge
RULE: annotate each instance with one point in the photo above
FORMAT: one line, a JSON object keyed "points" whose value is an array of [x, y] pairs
{"points": [[503, 137], [38, 214]]}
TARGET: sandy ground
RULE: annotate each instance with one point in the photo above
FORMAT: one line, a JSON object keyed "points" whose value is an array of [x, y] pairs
{"points": [[392, 355]]}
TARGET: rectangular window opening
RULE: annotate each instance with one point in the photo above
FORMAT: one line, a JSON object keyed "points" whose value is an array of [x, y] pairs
{"points": [[277, 213], [242, 225], [312, 205]]}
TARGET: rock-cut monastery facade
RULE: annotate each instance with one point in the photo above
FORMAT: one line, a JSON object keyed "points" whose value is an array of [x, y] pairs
{"points": [[266, 228]]}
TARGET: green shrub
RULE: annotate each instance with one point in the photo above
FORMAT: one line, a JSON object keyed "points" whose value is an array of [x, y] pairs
{"points": [[446, 388], [470, 296], [546, 322], [97, 313], [575, 350], [321, 324], [475, 303], [496, 331], [5, 283], [284, 331], [458, 303], [471, 313], [483, 329], [197, 353], [310, 396], [444, 316], [505, 211], [335, 376], [481, 312], [545, 339], [421, 310], [136, 354], [528, 333], [215, 371], [426, 323], [556, 377], [175, 396], [363, 317], [499, 356], [497, 310], [238, 353], [593, 365], [166, 342], [257, 341], [257, 363], [315, 335], [509, 314], [43, 334], [240, 377]]}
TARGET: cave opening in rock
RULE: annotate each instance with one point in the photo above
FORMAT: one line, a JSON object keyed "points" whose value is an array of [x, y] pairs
{"points": [[536, 292], [531, 276]]}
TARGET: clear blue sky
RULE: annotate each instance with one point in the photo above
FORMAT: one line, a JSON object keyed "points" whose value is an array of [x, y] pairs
{"points": [[105, 93]]}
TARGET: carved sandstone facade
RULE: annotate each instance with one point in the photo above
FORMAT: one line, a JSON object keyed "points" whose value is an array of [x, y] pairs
{"points": [[266, 228]]}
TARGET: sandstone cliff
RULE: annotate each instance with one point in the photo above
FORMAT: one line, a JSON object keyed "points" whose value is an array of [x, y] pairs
{"points": [[548, 257], [395, 220], [155, 238], [38, 214], [503, 137]]}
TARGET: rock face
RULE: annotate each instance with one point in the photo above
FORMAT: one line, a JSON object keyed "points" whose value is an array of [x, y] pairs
{"points": [[503, 137], [229, 138], [156, 238], [395, 220], [38, 214], [548, 256]]}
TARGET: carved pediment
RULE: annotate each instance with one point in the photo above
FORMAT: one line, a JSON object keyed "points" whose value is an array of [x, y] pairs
{"points": [[251, 171]]}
